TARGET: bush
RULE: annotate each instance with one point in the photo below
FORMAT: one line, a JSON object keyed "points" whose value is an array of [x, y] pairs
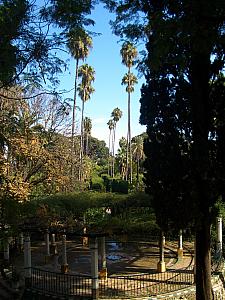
{"points": [[97, 184], [119, 186]]}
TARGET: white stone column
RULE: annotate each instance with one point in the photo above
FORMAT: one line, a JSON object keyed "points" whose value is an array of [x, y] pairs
{"points": [[21, 241], [53, 246], [94, 268], [180, 251], [103, 271], [64, 266], [47, 243], [53, 238], [47, 248], [219, 236], [27, 257], [195, 259], [6, 249], [161, 266]]}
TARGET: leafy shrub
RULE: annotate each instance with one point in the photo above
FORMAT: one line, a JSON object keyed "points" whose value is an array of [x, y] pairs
{"points": [[119, 186]]}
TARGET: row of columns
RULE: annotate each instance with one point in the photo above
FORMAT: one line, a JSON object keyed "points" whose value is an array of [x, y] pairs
{"points": [[52, 252], [161, 266], [51, 249]]}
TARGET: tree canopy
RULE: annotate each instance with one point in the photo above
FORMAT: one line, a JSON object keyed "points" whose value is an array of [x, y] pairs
{"points": [[184, 64], [30, 44]]}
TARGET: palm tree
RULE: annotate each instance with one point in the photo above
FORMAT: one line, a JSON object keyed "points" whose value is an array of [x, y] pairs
{"points": [[129, 54], [85, 89], [79, 45], [138, 153], [87, 132], [121, 156], [116, 115], [111, 126]]}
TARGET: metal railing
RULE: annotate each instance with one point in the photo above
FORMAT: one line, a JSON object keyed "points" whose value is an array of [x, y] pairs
{"points": [[60, 284], [132, 285], [148, 284]]}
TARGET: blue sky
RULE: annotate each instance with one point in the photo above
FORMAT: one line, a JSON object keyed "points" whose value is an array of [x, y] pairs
{"points": [[109, 93]]}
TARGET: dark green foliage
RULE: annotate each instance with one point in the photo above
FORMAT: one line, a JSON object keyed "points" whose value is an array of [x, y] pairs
{"points": [[69, 14], [130, 213], [28, 53], [167, 149], [97, 184], [13, 17], [119, 186], [98, 151], [185, 45]]}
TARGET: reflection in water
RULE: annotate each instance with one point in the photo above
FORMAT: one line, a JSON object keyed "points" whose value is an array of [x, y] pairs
{"points": [[114, 257], [115, 247]]}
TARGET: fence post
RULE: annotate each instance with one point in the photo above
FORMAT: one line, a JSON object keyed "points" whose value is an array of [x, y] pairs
{"points": [[103, 271], [21, 239], [64, 266], [94, 268], [161, 266], [219, 237], [27, 260], [180, 251], [6, 249], [47, 244]]}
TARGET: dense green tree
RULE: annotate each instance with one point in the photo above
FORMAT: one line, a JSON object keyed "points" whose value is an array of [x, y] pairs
{"points": [[129, 54], [185, 54], [98, 152], [30, 44]]}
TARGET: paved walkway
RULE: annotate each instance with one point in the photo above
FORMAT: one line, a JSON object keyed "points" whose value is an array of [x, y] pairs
{"points": [[122, 258]]}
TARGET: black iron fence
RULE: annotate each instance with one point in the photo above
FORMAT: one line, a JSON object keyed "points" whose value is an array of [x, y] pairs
{"points": [[60, 284], [132, 285], [140, 285]]}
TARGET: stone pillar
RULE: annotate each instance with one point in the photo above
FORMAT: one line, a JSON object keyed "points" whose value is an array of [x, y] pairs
{"points": [[64, 266], [219, 236], [54, 253], [94, 268], [21, 241], [27, 260], [180, 251], [195, 259], [47, 245], [53, 247], [103, 271], [161, 266], [6, 250], [85, 238]]}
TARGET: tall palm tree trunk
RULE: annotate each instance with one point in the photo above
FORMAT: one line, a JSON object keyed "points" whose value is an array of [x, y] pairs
{"points": [[129, 141], [109, 164], [138, 168], [127, 157], [74, 116], [81, 143], [113, 156]]}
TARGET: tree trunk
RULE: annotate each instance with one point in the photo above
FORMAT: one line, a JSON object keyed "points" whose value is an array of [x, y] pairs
{"points": [[129, 141], [200, 66], [138, 167], [109, 154], [74, 116], [203, 261], [81, 142]]}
